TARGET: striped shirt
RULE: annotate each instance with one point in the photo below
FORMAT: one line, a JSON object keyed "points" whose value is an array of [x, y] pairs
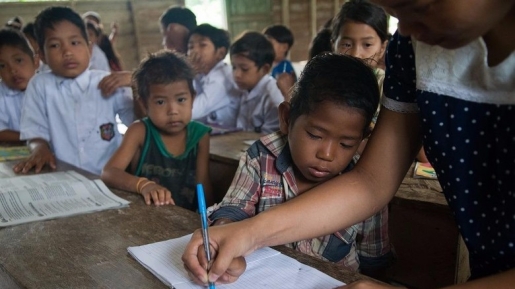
{"points": [[265, 178]]}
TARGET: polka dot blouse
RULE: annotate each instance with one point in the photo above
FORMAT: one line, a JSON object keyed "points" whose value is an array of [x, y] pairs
{"points": [[467, 112]]}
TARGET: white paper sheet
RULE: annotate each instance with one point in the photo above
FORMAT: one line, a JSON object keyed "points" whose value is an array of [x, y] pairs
{"points": [[266, 268], [46, 196]]}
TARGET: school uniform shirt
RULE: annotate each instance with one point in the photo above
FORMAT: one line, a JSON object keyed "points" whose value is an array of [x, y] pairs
{"points": [[258, 110], [98, 59], [467, 112], [217, 98], [72, 115], [176, 173], [265, 178], [10, 107]]}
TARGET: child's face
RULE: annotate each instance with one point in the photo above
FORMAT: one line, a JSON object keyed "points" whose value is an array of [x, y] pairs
{"points": [[175, 37], [280, 49], [203, 54], [92, 37], [447, 23], [65, 50], [323, 142], [169, 106], [245, 72], [16, 67], [360, 40]]}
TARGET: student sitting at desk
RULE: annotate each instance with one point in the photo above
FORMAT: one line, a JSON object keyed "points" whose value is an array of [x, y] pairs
{"points": [[166, 153], [252, 56], [321, 129], [217, 99], [18, 63], [63, 113]]}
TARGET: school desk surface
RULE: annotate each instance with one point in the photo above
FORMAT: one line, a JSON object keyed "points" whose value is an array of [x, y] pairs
{"points": [[90, 250]]}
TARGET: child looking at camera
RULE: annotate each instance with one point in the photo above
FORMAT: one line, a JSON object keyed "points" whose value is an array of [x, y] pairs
{"points": [[18, 63], [64, 115], [217, 99], [321, 129], [163, 156]]}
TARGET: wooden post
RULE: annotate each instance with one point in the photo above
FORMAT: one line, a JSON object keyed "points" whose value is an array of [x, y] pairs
{"points": [[285, 9], [313, 10]]}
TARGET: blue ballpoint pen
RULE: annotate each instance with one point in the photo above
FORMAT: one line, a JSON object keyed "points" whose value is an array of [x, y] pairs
{"points": [[203, 218]]}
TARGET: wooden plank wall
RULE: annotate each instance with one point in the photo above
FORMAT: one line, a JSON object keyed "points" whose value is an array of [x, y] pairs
{"points": [[137, 21], [139, 28]]}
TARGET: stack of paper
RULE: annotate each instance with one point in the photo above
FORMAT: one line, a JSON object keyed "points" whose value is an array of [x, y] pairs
{"points": [[46, 196], [266, 268]]}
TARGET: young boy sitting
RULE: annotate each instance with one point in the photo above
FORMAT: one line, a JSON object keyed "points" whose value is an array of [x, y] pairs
{"points": [[282, 40], [63, 113], [252, 56], [321, 128], [217, 99], [165, 155], [18, 63]]}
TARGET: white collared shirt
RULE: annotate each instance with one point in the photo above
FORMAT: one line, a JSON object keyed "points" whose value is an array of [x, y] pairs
{"points": [[98, 59], [217, 98], [72, 115], [10, 107], [259, 108]]}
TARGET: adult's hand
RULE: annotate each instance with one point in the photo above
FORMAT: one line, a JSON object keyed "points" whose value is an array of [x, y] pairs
{"points": [[229, 244]]}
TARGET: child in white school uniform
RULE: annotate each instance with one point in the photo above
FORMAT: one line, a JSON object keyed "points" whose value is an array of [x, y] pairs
{"points": [[64, 115], [98, 58], [18, 63], [252, 56], [217, 98]]}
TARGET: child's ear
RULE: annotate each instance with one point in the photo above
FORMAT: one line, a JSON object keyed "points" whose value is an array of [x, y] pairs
{"points": [[266, 68], [220, 53], [284, 117]]}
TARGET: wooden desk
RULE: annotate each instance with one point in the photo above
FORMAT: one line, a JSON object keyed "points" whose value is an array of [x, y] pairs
{"points": [[90, 251], [225, 151]]}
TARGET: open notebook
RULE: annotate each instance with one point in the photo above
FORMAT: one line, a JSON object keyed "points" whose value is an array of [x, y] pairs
{"points": [[266, 268]]}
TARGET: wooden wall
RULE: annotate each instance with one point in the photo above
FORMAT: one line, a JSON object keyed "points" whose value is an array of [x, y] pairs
{"points": [[139, 28]]}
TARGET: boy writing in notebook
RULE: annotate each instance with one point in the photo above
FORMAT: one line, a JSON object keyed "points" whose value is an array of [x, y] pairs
{"points": [[163, 156], [252, 56], [321, 129], [18, 63], [64, 115]]}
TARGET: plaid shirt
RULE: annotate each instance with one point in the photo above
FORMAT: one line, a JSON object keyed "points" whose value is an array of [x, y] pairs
{"points": [[265, 179]]}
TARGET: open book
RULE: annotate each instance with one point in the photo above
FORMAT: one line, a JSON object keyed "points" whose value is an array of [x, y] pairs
{"points": [[266, 268], [51, 195]]}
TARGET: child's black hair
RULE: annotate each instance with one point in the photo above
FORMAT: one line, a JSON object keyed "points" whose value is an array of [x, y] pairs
{"points": [[219, 37], [364, 12], [341, 79], [28, 29], [321, 43], [90, 25], [254, 46], [53, 15], [162, 67], [14, 38], [280, 33], [180, 15], [112, 56]]}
